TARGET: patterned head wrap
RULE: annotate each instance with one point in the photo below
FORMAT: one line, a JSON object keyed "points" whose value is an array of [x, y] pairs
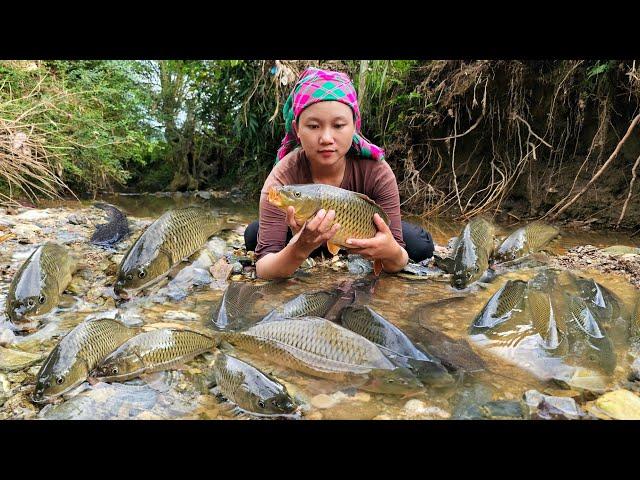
{"points": [[313, 86]]}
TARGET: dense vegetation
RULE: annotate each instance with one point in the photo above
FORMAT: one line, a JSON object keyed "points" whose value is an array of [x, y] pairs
{"points": [[526, 138]]}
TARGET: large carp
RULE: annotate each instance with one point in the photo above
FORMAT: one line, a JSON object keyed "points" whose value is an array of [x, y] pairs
{"points": [[354, 211], [77, 354], [472, 251], [172, 238], [528, 239], [37, 286], [153, 351], [250, 389], [365, 321], [321, 348]]}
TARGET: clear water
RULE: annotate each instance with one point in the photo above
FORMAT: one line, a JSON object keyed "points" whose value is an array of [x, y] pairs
{"points": [[184, 394]]}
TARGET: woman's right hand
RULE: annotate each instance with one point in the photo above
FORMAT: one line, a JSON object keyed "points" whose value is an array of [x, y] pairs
{"points": [[314, 232]]}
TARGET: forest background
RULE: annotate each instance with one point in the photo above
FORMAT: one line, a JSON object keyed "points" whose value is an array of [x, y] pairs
{"points": [[553, 139]]}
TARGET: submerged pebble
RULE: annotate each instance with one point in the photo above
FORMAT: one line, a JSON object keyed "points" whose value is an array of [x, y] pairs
{"points": [[15, 360], [619, 405], [417, 408]]}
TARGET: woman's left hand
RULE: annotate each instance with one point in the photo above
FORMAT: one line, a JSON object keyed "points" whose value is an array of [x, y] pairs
{"points": [[381, 247]]}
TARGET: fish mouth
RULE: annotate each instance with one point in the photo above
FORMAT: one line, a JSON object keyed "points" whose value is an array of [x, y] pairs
{"points": [[274, 197]]}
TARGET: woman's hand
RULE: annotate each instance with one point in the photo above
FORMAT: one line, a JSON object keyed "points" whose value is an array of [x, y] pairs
{"points": [[292, 222], [314, 232], [381, 247]]}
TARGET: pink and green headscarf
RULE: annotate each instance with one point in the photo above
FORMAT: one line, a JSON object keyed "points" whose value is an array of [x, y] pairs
{"points": [[313, 86]]}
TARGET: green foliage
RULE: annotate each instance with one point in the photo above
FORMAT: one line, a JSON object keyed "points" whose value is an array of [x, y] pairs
{"points": [[90, 115]]}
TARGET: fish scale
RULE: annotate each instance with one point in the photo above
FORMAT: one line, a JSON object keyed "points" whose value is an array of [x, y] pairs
{"points": [[177, 233], [312, 345], [354, 211], [525, 240], [77, 354], [48, 271], [157, 350]]}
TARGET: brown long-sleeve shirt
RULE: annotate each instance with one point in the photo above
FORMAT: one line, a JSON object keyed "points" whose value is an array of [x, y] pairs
{"points": [[371, 177]]}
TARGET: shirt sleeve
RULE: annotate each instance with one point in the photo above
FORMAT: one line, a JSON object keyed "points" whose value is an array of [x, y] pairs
{"points": [[272, 229], [386, 194]]}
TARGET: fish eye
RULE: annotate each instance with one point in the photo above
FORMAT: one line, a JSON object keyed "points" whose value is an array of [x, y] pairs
{"points": [[261, 404], [297, 194], [30, 302], [42, 299], [114, 370], [142, 274], [60, 379], [129, 277]]}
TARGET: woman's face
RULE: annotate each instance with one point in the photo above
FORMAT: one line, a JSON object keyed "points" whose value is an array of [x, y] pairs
{"points": [[325, 130]]}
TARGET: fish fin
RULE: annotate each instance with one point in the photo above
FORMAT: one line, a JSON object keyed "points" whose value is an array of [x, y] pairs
{"points": [[377, 267], [332, 247]]}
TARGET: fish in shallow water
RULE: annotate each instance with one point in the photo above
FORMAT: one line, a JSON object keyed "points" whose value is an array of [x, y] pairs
{"points": [[528, 239], [38, 285], [314, 304], [504, 303], [172, 238], [153, 351], [108, 234], [364, 321], [589, 343], [76, 355], [235, 309], [621, 250], [354, 211], [472, 251], [323, 349], [609, 307], [250, 389]]}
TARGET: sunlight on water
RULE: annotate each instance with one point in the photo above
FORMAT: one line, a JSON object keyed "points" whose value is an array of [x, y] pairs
{"points": [[415, 306]]}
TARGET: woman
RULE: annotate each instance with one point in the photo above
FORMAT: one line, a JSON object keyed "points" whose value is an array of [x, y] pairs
{"points": [[323, 144]]}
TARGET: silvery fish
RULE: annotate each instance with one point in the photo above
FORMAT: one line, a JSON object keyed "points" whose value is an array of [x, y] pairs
{"points": [[364, 321], [235, 309], [153, 351], [472, 252], [37, 286], [314, 304], [354, 211], [528, 239], [504, 303], [589, 343], [250, 389], [321, 348], [172, 238], [76, 355]]}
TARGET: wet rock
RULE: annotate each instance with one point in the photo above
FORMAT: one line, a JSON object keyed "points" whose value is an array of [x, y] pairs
{"points": [[27, 233], [33, 215], [619, 405], [7, 336], [204, 260], [17, 377], [14, 360], [548, 407], [416, 408], [324, 401], [66, 237], [75, 219], [203, 194], [383, 416], [172, 315], [359, 265], [217, 247], [132, 317], [236, 267]]}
